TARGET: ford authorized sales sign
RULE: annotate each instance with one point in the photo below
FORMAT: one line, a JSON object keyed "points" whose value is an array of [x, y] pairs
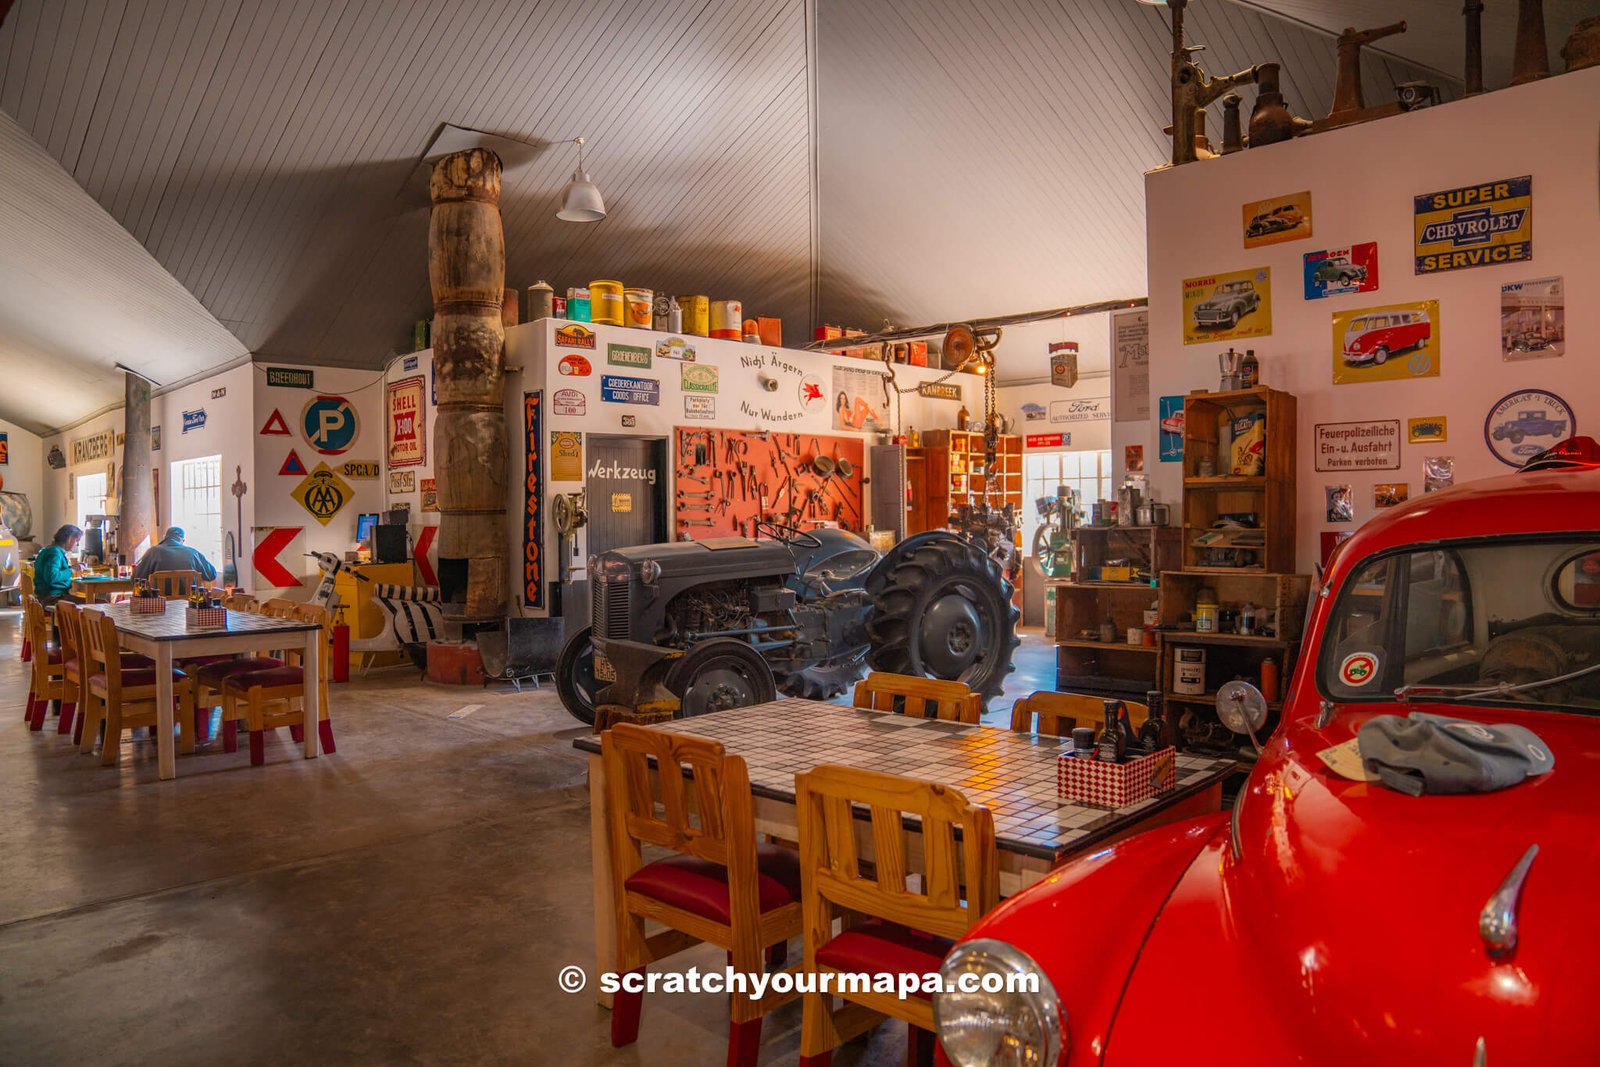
{"points": [[1475, 226]]}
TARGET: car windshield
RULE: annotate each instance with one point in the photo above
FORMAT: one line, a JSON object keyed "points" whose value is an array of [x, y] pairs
{"points": [[1456, 616]]}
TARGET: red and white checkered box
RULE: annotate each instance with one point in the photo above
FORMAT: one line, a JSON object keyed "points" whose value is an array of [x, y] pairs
{"points": [[1116, 785], [148, 605], [205, 618]]}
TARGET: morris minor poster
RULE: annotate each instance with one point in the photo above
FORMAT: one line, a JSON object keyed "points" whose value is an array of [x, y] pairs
{"points": [[1227, 307]]}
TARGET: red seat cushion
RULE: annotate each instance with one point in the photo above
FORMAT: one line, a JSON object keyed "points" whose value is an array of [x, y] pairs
{"points": [[133, 661], [271, 678], [212, 674], [880, 947], [53, 655], [701, 887], [135, 679]]}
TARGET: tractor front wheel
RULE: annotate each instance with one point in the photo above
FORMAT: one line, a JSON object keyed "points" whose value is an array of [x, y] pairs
{"points": [[575, 680], [719, 675]]}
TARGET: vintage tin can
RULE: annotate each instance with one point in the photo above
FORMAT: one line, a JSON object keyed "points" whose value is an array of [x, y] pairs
{"points": [[578, 307], [1189, 671], [638, 308], [541, 301], [696, 315], [606, 302], [727, 319]]}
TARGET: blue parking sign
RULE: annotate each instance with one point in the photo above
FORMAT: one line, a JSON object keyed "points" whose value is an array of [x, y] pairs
{"points": [[329, 425]]}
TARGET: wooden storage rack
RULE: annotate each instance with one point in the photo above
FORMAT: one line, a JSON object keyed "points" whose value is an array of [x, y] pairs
{"points": [[1268, 547], [944, 473], [1113, 668]]}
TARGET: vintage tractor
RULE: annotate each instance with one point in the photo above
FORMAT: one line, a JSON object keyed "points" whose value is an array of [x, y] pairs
{"points": [[727, 622]]}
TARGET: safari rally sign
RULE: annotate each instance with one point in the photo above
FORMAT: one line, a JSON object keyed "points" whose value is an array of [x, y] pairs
{"points": [[1475, 226], [407, 427]]}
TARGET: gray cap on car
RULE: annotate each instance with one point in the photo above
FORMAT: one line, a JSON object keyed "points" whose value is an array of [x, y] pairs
{"points": [[1438, 754]]}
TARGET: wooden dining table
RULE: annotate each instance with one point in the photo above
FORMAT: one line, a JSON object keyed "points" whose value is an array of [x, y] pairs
{"points": [[167, 637], [1012, 774], [94, 588]]}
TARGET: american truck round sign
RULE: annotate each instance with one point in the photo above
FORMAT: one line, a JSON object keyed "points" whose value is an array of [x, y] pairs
{"points": [[1523, 424]]}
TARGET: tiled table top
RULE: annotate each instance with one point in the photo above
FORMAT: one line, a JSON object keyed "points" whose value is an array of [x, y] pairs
{"points": [[1012, 774], [171, 626]]}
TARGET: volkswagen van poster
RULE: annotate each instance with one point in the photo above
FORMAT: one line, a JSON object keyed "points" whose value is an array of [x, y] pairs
{"points": [[1475, 226], [1226, 307], [1397, 342]]}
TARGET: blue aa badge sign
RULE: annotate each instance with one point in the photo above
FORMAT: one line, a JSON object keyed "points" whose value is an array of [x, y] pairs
{"points": [[1526, 423], [323, 493], [329, 423], [1475, 226]]}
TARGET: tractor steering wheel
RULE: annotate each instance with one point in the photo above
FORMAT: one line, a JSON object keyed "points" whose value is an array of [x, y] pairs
{"points": [[777, 531]]}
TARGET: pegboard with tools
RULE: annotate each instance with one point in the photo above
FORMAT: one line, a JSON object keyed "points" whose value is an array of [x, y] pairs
{"points": [[728, 480]]}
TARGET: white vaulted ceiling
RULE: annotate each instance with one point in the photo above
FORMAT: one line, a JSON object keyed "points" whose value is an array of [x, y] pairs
{"points": [[822, 160]]}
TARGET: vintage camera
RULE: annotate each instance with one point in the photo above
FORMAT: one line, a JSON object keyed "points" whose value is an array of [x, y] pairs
{"points": [[1414, 96]]}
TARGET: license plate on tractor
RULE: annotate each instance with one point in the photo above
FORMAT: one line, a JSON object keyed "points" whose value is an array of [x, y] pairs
{"points": [[603, 670]]}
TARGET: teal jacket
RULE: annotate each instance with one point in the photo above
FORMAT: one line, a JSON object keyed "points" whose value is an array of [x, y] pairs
{"points": [[52, 574]]}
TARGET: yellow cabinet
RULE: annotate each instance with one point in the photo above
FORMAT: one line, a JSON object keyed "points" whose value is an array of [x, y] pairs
{"points": [[365, 618]]}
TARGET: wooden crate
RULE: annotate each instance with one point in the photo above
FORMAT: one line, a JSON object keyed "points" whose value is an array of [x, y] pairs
{"points": [[1101, 668], [1153, 549]]}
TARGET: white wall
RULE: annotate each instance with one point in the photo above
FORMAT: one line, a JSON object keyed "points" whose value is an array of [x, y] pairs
{"points": [[226, 433], [1362, 181], [270, 501], [24, 473]]}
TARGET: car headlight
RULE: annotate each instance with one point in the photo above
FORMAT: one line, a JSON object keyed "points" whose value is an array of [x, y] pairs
{"points": [[1012, 1017]]}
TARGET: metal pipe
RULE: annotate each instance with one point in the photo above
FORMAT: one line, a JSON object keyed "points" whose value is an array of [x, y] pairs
{"points": [[978, 325]]}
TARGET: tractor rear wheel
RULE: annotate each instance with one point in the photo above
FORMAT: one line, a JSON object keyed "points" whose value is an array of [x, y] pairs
{"points": [[945, 611]]}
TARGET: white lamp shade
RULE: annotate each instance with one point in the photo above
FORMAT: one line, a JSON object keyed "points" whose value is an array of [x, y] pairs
{"points": [[580, 200]]}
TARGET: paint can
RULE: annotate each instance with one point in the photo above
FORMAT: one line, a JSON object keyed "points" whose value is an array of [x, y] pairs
{"points": [[696, 315], [541, 301], [1189, 671], [638, 308], [727, 319], [605, 302], [578, 309]]}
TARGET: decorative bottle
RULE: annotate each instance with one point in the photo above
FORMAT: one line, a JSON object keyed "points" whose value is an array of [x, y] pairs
{"points": [[1113, 744]]}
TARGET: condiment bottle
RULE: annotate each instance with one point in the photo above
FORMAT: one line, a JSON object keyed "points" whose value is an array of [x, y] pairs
{"points": [[1269, 679], [1250, 370], [1154, 726], [1113, 745]]}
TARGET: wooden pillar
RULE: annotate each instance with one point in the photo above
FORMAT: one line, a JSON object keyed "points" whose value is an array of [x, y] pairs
{"points": [[467, 267], [136, 526]]}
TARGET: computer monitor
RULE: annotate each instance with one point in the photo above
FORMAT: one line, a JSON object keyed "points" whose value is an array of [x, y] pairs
{"points": [[364, 525]]}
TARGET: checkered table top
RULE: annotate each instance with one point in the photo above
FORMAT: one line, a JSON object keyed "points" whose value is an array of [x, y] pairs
{"points": [[172, 626], [1012, 774]]}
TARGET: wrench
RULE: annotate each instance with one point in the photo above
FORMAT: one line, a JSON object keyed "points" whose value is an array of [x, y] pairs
{"points": [[695, 522]]}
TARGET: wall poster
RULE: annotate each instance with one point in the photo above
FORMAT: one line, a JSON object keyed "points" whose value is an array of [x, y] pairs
{"points": [[1227, 307], [430, 493], [858, 400], [1525, 423], [533, 529], [1533, 319], [1341, 270], [1357, 446], [323, 493], [566, 456], [1171, 429], [407, 426], [1396, 342], [1130, 365], [1282, 218], [1475, 226]]}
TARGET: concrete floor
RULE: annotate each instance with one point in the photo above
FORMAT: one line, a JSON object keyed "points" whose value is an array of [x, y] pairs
{"points": [[408, 900]]}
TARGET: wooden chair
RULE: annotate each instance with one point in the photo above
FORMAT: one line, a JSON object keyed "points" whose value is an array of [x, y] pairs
{"points": [[886, 928], [240, 602], [1057, 714], [175, 585], [46, 679], [902, 693], [275, 696], [721, 887], [123, 698]]}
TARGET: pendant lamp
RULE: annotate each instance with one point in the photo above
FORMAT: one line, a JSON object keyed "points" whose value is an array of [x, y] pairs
{"points": [[580, 200]]}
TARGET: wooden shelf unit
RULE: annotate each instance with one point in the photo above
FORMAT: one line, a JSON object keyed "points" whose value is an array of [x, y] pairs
{"points": [[1208, 434], [1152, 549], [1104, 668], [1281, 598], [943, 472]]}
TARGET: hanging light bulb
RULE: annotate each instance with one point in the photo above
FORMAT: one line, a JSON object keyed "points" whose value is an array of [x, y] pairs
{"points": [[580, 200]]}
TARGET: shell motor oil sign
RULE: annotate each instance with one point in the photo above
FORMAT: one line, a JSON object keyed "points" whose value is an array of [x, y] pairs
{"points": [[1475, 226]]}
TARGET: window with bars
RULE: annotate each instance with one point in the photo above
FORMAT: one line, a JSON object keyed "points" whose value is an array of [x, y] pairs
{"points": [[197, 504], [1044, 472], [91, 497]]}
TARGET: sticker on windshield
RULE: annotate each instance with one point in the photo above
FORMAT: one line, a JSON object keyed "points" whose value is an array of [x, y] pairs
{"points": [[1358, 669]]}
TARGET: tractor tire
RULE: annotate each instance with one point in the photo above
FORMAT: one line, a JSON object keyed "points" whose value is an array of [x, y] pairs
{"points": [[575, 680], [826, 680], [945, 612], [720, 675]]}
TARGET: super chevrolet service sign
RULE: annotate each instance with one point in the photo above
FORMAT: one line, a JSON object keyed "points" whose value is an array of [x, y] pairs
{"points": [[1475, 226]]}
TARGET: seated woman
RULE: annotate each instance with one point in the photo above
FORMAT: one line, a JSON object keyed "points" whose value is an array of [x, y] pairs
{"points": [[52, 570]]}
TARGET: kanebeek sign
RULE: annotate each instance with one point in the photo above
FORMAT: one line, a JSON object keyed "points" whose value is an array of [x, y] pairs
{"points": [[1357, 446]]}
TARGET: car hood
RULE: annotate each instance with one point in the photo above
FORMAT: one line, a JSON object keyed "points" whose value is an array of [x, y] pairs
{"points": [[1347, 929]]}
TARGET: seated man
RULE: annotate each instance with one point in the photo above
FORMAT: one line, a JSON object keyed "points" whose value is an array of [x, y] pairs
{"points": [[171, 554]]}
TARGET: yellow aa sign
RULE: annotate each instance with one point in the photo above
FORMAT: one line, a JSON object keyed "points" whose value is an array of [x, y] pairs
{"points": [[323, 493]]}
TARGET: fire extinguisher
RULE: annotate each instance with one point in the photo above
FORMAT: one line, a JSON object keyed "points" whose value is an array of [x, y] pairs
{"points": [[341, 649]]}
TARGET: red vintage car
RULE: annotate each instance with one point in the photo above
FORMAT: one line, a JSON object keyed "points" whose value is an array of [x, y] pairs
{"points": [[1333, 921]]}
